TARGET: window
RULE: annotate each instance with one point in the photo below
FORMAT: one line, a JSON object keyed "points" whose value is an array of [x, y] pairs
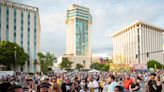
{"points": [[15, 34], [35, 53], [28, 37], [15, 15], [0, 23], [22, 28], [14, 28]]}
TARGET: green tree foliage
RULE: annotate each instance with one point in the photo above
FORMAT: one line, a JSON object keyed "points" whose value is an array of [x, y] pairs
{"points": [[46, 61], [79, 66], [66, 64], [101, 67], [154, 64], [11, 53]]}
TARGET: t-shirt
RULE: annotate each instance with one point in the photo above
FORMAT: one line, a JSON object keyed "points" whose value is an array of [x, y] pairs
{"points": [[66, 87], [127, 83], [134, 85], [105, 89], [93, 86], [112, 86], [152, 86]]}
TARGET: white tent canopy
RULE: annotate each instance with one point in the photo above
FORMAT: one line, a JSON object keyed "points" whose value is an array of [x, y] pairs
{"points": [[93, 71], [64, 71]]}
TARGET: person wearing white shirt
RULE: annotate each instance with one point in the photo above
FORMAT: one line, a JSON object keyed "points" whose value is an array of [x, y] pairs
{"points": [[93, 85]]}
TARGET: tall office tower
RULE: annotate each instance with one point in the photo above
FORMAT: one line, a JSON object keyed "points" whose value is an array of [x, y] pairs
{"points": [[78, 33], [138, 43], [20, 24]]}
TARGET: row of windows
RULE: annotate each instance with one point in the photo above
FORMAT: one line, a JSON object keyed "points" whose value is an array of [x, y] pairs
{"points": [[0, 23], [7, 23], [35, 53], [7, 17], [81, 36], [22, 16], [28, 37], [15, 14]]}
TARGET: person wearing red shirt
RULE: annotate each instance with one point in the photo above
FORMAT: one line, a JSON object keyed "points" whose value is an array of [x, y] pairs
{"points": [[127, 82]]}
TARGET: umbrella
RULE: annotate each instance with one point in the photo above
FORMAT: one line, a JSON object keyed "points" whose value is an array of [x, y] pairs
{"points": [[93, 70]]}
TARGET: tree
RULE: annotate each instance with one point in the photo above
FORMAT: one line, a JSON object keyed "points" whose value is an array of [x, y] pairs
{"points": [[154, 64], [79, 66], [11, 54], [66, 64], [95, 66], [46, 61], [101, 67]]}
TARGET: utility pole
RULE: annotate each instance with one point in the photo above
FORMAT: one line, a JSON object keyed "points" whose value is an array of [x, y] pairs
{"points": [[15, 58], [138, 36]]}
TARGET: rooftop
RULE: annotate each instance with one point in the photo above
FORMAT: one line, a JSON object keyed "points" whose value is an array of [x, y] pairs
{"points": [[19, 5], [136, 23], [73, 6]]}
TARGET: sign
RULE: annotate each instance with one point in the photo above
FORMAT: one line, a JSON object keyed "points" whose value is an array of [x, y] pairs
{"points": [[140, 66], [119, 67]]}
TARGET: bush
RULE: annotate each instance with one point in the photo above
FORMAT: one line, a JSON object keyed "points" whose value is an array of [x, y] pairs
{"points": [[154, 64]]}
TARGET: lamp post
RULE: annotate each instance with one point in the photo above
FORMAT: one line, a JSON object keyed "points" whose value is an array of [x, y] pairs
{"points": [[84, 63], [15, 57]]}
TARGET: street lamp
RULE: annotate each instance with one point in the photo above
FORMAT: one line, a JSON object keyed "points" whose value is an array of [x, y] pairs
{"points": [[15, 57], [84, 63]]}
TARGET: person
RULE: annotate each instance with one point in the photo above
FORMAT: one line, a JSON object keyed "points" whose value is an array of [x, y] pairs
{"points": [[112, 82], [75, 85], [135, 86], [106, 85], [127, 82], [101, 84], [15, 88], [66, 85], [83, 85], [44, 80], [93, 84], [4, 86], [152, 86], [55, 86], [158, 82], [44, 87], [118, 89]]}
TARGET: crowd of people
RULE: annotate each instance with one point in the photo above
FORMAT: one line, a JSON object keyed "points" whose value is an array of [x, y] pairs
{"points": [[84, 82]]}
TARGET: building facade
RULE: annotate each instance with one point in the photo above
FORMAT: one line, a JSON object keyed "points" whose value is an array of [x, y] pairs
{"points": [[78, 33], [138, 43], [78, 23], [20, 24]]}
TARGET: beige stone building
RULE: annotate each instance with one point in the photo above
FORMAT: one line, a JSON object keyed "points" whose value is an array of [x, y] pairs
{"points": [[20, 23], [78, 35], [138, 43]]}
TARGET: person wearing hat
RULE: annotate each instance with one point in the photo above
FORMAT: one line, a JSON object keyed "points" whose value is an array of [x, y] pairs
{"points": [[44, 87], [44, 84]]}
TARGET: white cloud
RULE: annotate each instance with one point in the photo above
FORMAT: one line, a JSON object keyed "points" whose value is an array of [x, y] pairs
{"points": [[108, 16]]}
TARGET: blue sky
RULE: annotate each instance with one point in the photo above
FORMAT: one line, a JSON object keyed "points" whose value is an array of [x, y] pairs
{"points": [[108, 16]]}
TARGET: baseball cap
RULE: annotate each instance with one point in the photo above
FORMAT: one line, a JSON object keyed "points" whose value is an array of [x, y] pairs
{"points": [[44, 78]]}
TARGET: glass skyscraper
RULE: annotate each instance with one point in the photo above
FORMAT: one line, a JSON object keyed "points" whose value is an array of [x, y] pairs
{"points": [[20, 24], [78, 22]]}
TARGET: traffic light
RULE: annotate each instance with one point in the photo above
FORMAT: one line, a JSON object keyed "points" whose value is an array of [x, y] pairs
{"points": [[147, 54]]}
